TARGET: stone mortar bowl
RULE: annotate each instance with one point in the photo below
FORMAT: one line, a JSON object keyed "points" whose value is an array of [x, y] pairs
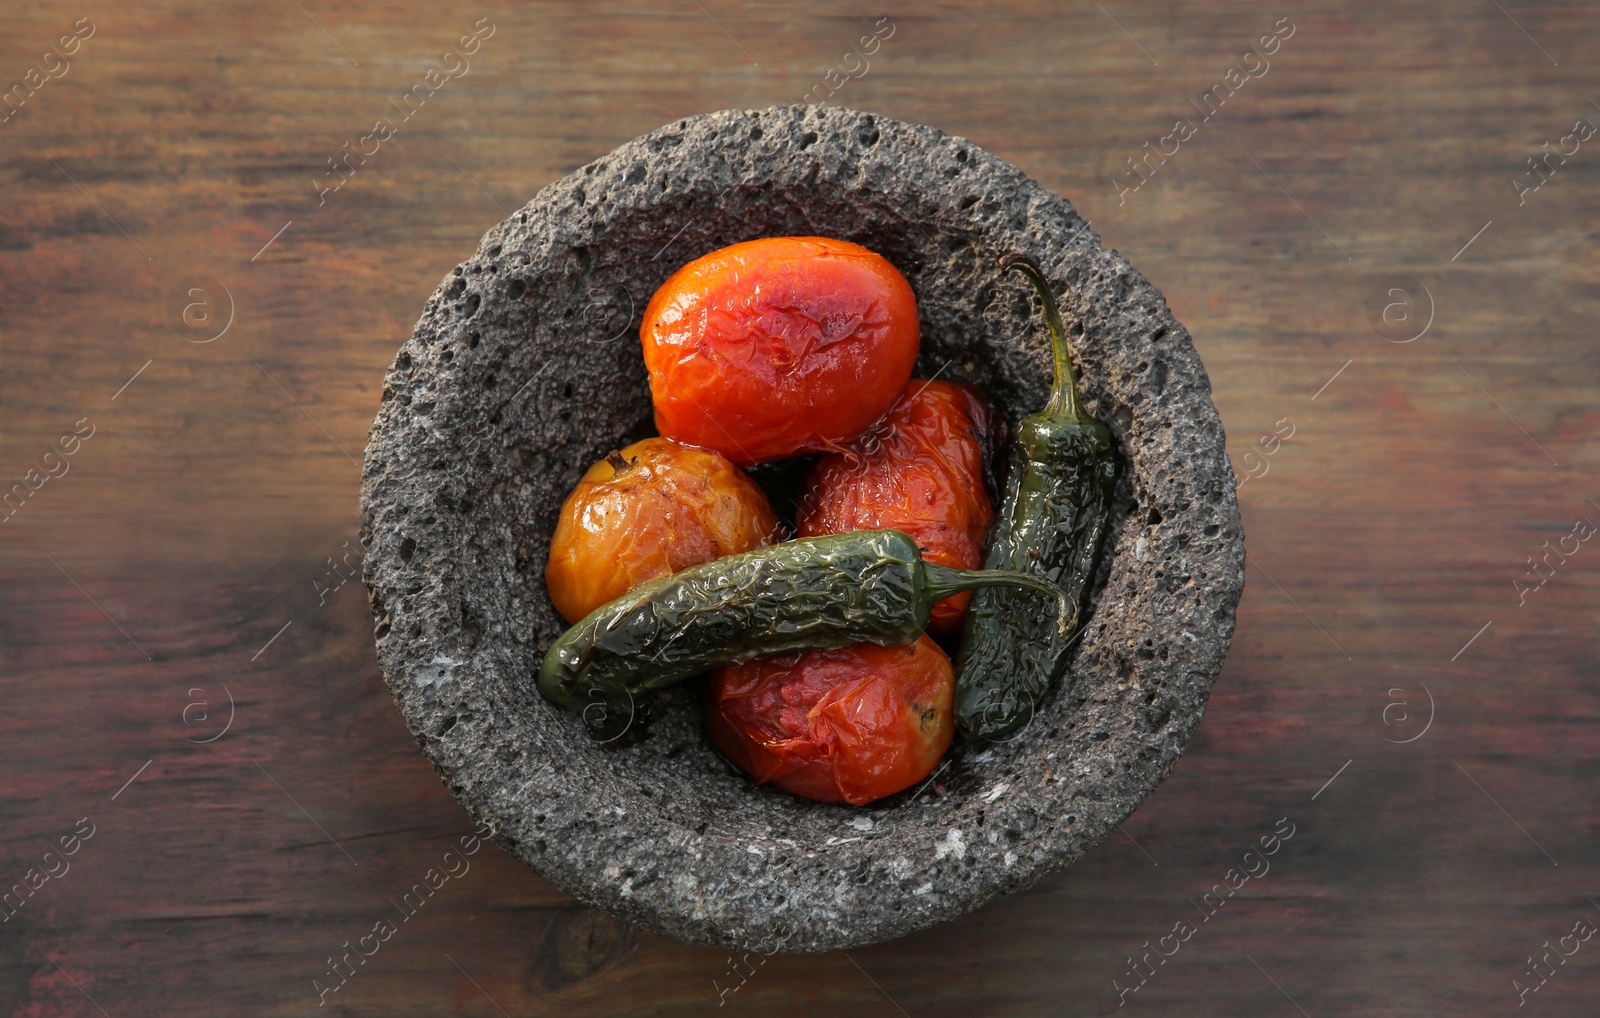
{"points": [[525, 368]]}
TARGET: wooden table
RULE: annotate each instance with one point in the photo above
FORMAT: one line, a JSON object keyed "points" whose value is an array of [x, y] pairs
{"points": [[189, 555]]}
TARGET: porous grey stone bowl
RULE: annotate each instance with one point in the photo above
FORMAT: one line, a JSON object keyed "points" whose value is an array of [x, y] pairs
{"points": [[525, 368]]}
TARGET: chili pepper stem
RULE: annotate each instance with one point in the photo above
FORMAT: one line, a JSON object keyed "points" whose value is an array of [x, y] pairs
{"points": [[943, 581], [1064, 399]]}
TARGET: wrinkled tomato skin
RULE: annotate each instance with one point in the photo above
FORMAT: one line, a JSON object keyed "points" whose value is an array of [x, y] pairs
{"points": [[668, 507], [777, 347], [919, 470], [849, 725]]}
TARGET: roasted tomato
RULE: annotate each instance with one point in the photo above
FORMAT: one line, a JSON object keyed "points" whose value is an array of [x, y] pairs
{"points": [[650, 510], [847, 725], [779, 346], [919, 470]]}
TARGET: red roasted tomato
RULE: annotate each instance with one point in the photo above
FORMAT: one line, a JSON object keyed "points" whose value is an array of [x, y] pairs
{"points": [[847, 725], [779, 346], [650, 510], [920, 470]]}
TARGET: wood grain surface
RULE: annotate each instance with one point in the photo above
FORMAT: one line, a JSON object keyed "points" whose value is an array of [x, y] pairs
{"points": [[149, 585]]}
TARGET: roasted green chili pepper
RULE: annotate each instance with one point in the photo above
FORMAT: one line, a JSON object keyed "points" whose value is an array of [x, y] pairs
{"points": [[1051, 524], [868, 586]]}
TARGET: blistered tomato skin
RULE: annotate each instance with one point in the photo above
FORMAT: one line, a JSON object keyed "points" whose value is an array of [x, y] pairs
{"points": [[919, 470], [650, 510], [846, 725], [777, 347]]}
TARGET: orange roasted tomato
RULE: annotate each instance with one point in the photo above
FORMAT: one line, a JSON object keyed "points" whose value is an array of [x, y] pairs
{"points": [[650, 510], [779, 346], [919, 470], [851, 725]]}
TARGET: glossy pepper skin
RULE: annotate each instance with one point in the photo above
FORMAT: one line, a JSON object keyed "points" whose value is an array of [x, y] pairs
{"points": [[777, 347], [870, 586], [648, 511], [849, 724], [920, 470], [1052, 524]]}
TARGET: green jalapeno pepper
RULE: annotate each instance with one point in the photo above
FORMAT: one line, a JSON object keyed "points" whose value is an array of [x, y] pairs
{"points": [[868, 586], [1051, 524]]}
